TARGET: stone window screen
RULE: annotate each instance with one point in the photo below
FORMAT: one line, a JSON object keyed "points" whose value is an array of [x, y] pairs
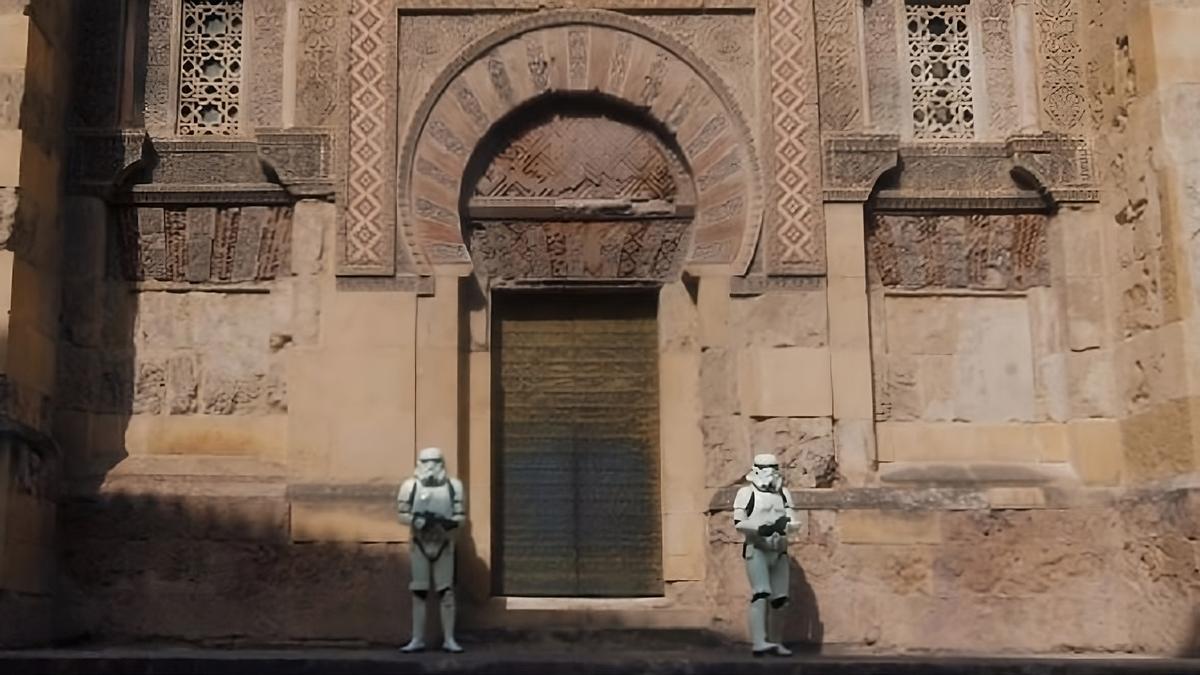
{"points": [[210, 67], [939, 68]]}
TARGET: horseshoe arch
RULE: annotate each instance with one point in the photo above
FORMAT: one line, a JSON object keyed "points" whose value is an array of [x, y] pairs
{"points": [[594, 52]]}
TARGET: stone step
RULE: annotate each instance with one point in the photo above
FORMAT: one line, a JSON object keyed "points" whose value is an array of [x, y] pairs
{"points": [[575, 659]]}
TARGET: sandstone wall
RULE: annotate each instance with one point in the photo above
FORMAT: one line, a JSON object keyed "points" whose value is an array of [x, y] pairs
{"points": [[35, 53], [232, 448]]}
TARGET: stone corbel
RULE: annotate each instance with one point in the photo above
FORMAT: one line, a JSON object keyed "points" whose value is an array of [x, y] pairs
{"points": [[1061, 166], [853, 163], [101, 159], [299, 159]]}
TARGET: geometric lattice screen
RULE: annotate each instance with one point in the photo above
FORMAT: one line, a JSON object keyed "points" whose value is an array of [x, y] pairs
{"points": [[939, 63], [210, 68]]}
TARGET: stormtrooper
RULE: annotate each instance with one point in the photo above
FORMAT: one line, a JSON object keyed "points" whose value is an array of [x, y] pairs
{"points": [[433, 505], [764, 513]]}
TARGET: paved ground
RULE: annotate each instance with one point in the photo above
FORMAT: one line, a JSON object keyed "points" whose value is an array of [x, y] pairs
{"points": [[577, 659]]}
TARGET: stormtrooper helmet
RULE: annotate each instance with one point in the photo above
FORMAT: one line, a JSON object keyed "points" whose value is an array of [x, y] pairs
{"points": [[431, 466], [766, 475]]}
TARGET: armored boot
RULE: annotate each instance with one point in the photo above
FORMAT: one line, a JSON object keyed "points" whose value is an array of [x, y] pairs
{"points": [[448, 643], [775, 627], [758, 627], [417, 643]]}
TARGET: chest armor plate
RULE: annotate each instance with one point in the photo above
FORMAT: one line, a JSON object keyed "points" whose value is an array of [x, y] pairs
{"points": [[433, 499], [768, 507]]}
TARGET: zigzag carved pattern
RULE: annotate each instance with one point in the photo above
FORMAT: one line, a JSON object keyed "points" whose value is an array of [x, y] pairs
{"points": [[796, 237], [366, 240], [581, 158]]}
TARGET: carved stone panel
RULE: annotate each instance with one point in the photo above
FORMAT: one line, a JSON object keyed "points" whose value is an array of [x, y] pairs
{"points": [[838, 59], [205, 244], [632, 250], [578, 198], [266, 40], [317, 62], [368, 244], [160, 91], [1060, 63], [885, 91], [981, 252], [794, 239], [97, 64], [995, 29]]}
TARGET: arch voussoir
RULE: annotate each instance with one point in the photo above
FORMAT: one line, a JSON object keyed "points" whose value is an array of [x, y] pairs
{"points": [[567, 52]]}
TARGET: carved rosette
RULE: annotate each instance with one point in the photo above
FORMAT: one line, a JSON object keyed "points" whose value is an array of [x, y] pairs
{"points": [[586, 53]]}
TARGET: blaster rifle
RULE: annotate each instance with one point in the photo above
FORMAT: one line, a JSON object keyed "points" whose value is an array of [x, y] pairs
{"points": [[777, 527], [432, 519]]}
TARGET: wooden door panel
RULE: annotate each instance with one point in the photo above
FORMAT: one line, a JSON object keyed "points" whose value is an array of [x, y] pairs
{"points": [[577, 445]]}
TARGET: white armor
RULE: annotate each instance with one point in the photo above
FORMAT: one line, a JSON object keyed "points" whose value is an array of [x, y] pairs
{"points": [[434, 505], [764, 514]]}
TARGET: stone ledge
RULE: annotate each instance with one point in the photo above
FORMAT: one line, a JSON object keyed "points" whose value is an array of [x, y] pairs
{"points": [[990, 473], [980, 498], [536, 658]]}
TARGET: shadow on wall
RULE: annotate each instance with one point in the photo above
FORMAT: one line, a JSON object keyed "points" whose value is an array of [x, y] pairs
{"points": [[803, 629], [221, 570], [1192, 649]]}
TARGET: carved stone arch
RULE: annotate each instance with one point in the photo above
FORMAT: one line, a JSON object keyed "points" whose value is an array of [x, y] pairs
{"points": [[572, 188], [580, 51]]}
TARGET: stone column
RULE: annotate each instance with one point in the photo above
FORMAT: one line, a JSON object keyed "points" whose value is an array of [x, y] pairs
{"points": [[850, 341], [1025, 66]]}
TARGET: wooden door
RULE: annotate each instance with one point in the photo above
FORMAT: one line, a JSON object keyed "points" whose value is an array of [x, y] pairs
{"points": [[576, 437]]}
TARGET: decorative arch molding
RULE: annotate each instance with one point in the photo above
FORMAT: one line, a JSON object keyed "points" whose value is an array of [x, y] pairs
{"points": [[579, 51]]}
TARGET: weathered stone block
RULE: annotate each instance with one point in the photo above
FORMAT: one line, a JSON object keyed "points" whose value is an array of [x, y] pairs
{"points": [[779, 319], [936, 375], [994, 361], [713, 312], [149, 387], [785, 382], [1096, 450], [1052, 442], [1160, 442], [901, 393], [223, 395], [1011, 498], [1091, 383], [922, 325], [1085, 313], [261, 436], [727, 452], [201, 226], [678, 319], [804, 447], [889, 527], [14, 36], [182, 384], [346, 520], [718, 382]]}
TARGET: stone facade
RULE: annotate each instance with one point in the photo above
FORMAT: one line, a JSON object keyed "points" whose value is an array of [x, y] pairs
{"points": [[937, 256]]}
